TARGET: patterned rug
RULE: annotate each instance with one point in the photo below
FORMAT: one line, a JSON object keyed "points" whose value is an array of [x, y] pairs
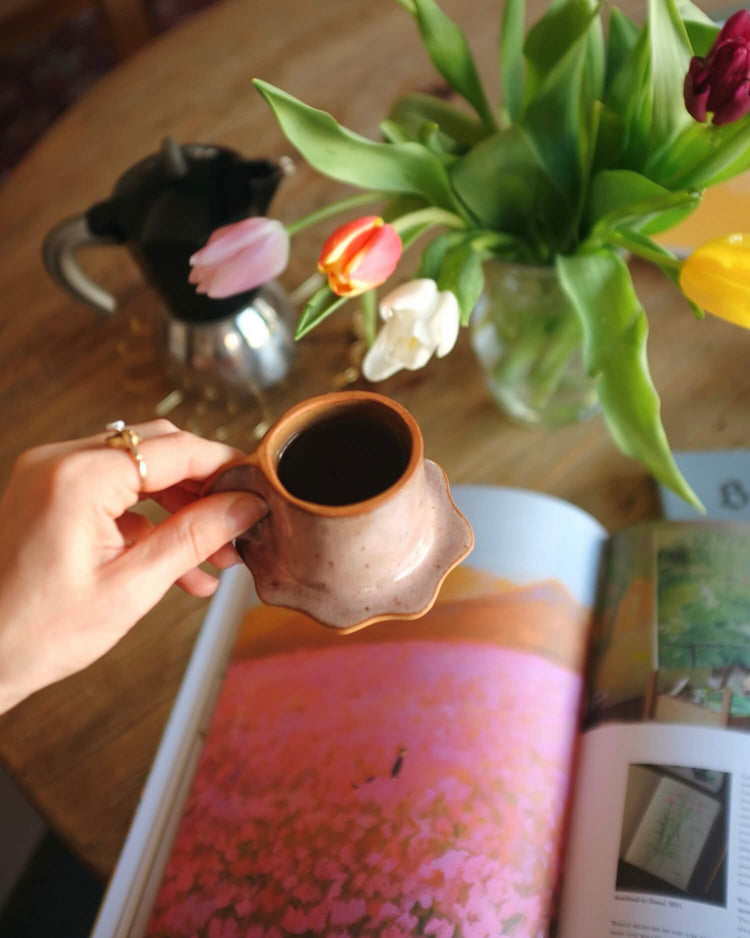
{"points": [[43, 77]]}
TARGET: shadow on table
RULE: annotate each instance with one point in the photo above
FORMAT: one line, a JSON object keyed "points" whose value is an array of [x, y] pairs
{"points": [[56, 895]]}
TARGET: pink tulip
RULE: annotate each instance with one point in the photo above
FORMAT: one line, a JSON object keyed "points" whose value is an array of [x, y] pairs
{"points": [[239, 257], [720, 82]]}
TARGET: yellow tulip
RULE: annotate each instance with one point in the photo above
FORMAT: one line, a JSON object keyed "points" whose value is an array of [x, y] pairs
{"points": [[716, 277]]}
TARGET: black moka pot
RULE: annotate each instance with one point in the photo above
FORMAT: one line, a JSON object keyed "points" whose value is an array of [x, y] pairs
{"points": [[164, 209]]}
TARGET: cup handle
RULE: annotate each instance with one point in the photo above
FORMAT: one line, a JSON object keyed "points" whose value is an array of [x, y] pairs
{"points": [[241, 475], [59, 255]]}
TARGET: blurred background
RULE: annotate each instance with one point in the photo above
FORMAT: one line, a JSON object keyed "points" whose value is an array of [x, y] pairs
{"points": [[52, 51]]}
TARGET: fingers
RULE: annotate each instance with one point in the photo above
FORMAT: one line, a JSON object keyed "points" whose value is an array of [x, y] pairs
{"points": [[172, 500], [224, 557], [47, 451], [133, 527], [176, 456], [170, 455], [88, 473], [176, 546], [198, 583]]}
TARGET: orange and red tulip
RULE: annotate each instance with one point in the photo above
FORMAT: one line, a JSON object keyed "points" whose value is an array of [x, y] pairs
{"points": [[360, 255]]}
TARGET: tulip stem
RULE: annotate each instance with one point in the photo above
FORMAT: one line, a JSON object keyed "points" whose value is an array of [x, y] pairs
{"points": [[306, 289], [641, 250], [428, 216], [334, 208], [370, 311]]}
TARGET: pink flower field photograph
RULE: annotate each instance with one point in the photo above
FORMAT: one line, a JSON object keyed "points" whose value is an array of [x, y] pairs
{"points": [[406, 780]]}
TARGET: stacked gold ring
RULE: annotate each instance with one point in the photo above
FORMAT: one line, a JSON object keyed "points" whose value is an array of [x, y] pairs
{"points": [[124, 437]]}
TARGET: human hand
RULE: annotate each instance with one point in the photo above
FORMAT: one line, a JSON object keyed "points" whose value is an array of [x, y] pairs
{"points": [[77, 569]]}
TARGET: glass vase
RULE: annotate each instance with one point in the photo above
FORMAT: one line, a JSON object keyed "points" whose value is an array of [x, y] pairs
{"points": [[527, 337]]}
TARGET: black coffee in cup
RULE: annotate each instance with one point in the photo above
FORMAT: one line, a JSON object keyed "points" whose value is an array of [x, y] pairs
{"points": [[343, 459]]}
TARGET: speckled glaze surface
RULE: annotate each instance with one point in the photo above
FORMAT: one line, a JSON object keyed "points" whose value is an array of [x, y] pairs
{"points": [[351, 565]]}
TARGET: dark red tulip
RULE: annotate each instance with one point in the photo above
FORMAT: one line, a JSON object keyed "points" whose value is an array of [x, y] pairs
{"points": [[719, 84]]}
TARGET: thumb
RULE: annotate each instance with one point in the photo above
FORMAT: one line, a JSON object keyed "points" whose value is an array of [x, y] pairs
{"points": [[187, 538]]}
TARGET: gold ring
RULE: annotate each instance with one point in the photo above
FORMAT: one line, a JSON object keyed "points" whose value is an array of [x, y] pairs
{"points": [[124, 437]]}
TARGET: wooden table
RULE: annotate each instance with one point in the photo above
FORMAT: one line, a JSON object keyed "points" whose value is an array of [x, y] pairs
{"points": [[81, 749]]}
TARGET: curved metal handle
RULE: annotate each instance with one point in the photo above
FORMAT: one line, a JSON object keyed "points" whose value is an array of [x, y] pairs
{"points": [[58, 252]]}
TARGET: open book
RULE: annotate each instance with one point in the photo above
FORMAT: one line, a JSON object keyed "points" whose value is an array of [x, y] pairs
{"points": [[558, 747]]}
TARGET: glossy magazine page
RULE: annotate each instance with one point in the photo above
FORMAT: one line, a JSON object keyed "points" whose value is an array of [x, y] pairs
{"points": [[663, 776], [410, 779]]}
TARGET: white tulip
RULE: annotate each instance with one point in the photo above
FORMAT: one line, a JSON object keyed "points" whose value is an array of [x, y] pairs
{"points": [[420, 322]]}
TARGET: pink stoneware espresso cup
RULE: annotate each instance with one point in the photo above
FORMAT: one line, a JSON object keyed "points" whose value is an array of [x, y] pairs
{"points": [[360, 526]]}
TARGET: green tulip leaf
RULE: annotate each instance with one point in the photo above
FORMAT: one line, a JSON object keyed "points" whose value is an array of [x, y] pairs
{"points": [[451, 56], [337, 152], [484, 244], [589, 139], [405, 205], [610, 141], [511, 57], [701, 29], [670, 57], [436, 142], [413, 232], [614, 347], [613, 190], [504, 185], [395, 133], [664, 259], [690, 13], [620, 197], [596, 62], [629, 96], [554, 119], [702, 36], [402, 205], [434, 254], [428, 134], [703, 155], [461, 273], [320, 305], [552, 37], [622, 38], [412, 110]]}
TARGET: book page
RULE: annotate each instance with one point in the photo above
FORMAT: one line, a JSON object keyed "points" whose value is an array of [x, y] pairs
{"points": [[411, 778], [652, 851], [671, 642], [670, 658]]}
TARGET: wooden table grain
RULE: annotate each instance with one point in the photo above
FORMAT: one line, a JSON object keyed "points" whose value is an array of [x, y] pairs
{"points": [[81, 749]]}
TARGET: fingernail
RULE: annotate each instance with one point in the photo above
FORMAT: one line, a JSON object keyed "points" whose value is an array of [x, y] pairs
{"points": [[247, 510]]}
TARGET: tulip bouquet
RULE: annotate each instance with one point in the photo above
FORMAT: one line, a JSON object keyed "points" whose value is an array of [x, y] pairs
{"points": [[605, 138]]}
